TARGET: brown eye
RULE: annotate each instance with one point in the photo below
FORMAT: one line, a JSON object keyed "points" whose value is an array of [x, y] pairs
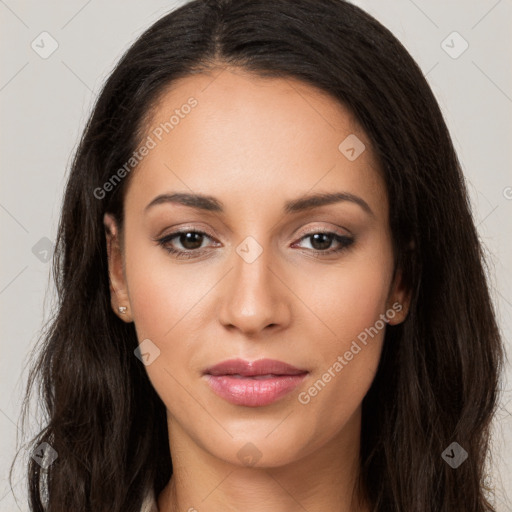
{"points": [[191, 243], [321, 242], [191, 240]]}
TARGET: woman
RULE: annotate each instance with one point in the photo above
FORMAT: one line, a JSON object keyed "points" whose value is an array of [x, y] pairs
{"points": [[271, 289]]}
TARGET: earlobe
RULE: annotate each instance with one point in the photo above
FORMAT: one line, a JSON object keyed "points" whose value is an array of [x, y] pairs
{"points": [[118, 290]]}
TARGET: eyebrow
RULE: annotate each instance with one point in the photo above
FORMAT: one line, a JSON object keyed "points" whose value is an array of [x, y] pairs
{"points": [[307, 202]]}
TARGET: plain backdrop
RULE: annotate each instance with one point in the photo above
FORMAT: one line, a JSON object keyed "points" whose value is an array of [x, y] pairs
{"points": [[45, 103]]}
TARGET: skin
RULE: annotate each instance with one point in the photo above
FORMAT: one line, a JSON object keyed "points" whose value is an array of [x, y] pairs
{"points": [[254, 143]]}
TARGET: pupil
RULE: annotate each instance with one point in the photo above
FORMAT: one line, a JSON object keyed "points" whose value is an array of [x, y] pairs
{"points": [[318, 237], [191, 240]]}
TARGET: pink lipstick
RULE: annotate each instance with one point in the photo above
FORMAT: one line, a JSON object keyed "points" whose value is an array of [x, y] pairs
{"points": [[253, 384]]}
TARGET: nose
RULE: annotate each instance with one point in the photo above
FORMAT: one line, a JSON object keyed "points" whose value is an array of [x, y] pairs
{"points": [[255, 297]]}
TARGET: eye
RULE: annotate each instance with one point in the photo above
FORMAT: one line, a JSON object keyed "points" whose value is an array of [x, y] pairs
{"points": [[321, 242], [190, 240]]}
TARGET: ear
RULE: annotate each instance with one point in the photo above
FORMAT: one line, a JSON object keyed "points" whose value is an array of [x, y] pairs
{"points": [[118, 290], [399, 300]]}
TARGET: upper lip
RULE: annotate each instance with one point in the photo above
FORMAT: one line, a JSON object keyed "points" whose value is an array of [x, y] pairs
{"points": [[252, 368]]}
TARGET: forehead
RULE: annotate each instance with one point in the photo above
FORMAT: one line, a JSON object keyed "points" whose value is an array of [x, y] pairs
{"points": [[233, 132]]}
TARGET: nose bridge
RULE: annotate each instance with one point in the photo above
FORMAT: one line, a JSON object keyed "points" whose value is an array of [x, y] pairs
{"points": [[253, 299]]}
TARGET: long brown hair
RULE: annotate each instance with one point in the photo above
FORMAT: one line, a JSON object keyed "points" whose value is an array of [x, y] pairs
{"points": [[438, 376]]}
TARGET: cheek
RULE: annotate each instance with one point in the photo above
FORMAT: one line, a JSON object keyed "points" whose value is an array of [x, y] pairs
{"points": [[167, 308], [349, 303], [164, 295], [348, 299], [346, 366]]}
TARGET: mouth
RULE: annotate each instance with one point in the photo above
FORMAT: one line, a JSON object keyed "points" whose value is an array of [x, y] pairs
{"points": [[253, 384]]}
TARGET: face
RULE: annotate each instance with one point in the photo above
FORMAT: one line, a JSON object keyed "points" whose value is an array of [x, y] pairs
{"points": [[250, 270]]}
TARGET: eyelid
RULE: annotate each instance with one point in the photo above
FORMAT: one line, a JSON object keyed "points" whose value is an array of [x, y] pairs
{"points": [[203, 230], [174, 231], [330, 229]]}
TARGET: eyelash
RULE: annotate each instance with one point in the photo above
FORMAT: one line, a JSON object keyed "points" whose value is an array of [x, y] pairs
{"points": [[345, 242]]}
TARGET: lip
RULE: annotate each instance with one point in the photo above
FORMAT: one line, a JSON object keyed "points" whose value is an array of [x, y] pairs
{"points": [[253, 383], [253, 368]]}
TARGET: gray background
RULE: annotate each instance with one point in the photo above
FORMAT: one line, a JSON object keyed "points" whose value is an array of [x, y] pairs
{"points": [[45, 103]]}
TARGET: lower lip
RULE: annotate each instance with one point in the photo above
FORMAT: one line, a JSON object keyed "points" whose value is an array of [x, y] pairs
{"points": [[253, 392]]}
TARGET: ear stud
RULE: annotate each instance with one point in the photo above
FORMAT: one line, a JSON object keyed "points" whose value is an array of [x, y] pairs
{"points": [[122, 309]]}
